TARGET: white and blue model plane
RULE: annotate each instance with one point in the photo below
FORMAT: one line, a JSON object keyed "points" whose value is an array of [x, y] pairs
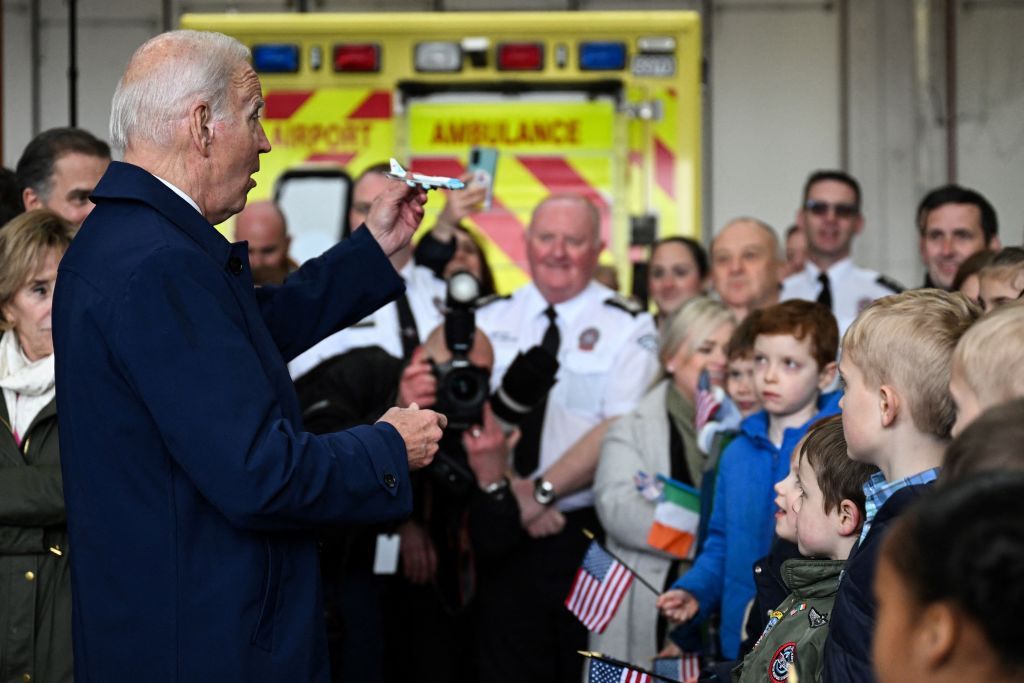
{"points": [[427, 182]]}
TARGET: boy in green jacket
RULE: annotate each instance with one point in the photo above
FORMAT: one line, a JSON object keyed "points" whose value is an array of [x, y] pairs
{"points": [[827, 500]]}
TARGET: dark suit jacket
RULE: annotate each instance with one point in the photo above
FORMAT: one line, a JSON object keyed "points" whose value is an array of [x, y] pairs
{"points": [[192, 493], [852, 623]]}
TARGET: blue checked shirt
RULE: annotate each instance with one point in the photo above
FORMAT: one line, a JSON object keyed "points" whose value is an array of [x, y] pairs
{"points": [[878, 490]]}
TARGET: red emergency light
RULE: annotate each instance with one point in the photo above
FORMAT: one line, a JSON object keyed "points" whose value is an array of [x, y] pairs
{"points": [[362, 57], [520, 56]]}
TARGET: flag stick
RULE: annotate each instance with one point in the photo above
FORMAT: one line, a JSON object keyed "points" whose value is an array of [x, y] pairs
{"points": [[605, 658], [590, 534]]}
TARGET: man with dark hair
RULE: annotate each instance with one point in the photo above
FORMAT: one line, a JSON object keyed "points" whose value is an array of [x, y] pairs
{"points": [[954, 223], [831, 217], [59, 169]]}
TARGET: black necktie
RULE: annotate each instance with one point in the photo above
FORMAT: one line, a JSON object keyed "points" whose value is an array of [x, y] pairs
{"points": [[527, 455], [406, 327], [825, 295]]}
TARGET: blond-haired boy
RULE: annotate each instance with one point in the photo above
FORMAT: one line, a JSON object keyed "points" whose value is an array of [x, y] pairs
{"points": [[988, 364], [897, 415]]}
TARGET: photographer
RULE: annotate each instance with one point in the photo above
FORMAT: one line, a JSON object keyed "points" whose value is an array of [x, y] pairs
{"points": [[384, 626]]}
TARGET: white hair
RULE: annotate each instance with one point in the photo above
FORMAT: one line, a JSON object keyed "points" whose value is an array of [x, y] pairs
{"points": [[150, 101]]}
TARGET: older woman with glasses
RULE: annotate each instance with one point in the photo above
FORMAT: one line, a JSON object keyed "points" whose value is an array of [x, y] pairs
{"points": [[35, 583], [658, 437]]}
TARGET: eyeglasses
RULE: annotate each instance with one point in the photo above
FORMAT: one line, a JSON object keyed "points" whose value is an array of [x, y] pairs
{"points": [[819, 208]]}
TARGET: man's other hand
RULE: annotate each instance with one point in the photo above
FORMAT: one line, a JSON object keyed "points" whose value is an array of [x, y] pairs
{"points": [[420, 429], [395, 214]]}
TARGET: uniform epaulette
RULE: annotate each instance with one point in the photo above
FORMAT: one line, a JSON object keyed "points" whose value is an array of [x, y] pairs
{"points": [[491, 298], [627, 305], [888, 282]]}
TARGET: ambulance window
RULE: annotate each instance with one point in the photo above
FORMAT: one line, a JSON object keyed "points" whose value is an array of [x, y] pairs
{"points": [[315, 204]]}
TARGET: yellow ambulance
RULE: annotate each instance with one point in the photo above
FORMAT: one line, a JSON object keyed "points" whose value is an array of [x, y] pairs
{"points": [[606, 104]]}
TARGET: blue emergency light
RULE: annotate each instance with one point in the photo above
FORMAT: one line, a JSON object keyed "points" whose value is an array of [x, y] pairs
{"points": [[275, 58], [602, 56]]}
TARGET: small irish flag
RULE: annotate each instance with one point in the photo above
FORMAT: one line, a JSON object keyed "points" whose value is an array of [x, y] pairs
{"points": [[676, 519]]}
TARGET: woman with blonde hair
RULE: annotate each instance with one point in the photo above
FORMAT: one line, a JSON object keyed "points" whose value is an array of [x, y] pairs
{"points": [[658, 437], [35, 590]]}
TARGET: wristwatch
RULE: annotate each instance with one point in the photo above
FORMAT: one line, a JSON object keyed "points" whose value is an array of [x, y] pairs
{"points": [[497, 487], [543, 491]]}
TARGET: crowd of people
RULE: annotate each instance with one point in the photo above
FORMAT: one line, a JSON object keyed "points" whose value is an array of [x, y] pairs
{"points": [[255, 478]]}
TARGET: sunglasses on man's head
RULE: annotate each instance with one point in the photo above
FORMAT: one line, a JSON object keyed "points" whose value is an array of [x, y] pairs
{"points": [[819, 208]]}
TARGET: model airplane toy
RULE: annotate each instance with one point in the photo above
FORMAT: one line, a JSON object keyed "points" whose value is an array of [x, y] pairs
{"points": [[427, 182]]}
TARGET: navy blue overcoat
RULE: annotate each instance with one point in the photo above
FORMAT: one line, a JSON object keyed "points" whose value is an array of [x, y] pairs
{"points": [[193, 495]]}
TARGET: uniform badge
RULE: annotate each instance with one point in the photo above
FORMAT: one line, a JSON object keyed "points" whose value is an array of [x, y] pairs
{"points": [[798, 608], [816, 618], [778, 670], [648, 342], [775, 618], [588, 338]]}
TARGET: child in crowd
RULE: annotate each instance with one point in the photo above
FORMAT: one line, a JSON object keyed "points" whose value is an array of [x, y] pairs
{"points": [[950, 587], [739, 373], [715, 435], [897, 415], [991, 442], [1002, 280], [988, 364], [824, 510], [794, 359]]}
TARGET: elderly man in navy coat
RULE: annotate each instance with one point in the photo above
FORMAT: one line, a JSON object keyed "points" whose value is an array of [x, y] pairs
{"points": [[193, 496]]}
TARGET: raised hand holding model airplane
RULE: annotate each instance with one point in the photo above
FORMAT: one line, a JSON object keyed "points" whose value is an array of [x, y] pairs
{"points": [[427, 182]]}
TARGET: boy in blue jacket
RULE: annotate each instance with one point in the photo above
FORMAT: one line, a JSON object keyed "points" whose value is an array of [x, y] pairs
{"points": [[794, 362]]}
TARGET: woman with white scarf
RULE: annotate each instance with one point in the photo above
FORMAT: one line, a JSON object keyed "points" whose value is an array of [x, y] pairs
{"points": [[35, 582]]}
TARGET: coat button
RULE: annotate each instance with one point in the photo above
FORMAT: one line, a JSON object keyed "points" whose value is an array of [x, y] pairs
{"points": [[757, 569], [235, 265], [389, 480], [27, 678], [30, 576]]}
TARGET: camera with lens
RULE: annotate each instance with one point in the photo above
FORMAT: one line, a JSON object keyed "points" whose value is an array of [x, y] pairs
{"points": [[462, 388]]}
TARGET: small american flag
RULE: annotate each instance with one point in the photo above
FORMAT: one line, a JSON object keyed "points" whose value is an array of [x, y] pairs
{"points": [[685, 668], [603, 672], [600, 585], [709, 398]]}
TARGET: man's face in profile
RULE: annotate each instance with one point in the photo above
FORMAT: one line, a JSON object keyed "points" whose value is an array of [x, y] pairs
{"points": [[237, 143]]}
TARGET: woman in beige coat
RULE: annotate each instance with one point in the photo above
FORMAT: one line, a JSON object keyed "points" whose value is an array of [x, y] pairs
{"points": [[692, 341]]}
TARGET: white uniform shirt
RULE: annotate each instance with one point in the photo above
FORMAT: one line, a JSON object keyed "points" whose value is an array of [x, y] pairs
{"points": [[607, 360], [852, 288], [426, 295]]}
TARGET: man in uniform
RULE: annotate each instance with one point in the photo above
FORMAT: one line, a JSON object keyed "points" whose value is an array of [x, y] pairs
{"points": [[262, 225], [606, 350], [399, 326], [59, 169], [954, 223], [830, 216]]}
